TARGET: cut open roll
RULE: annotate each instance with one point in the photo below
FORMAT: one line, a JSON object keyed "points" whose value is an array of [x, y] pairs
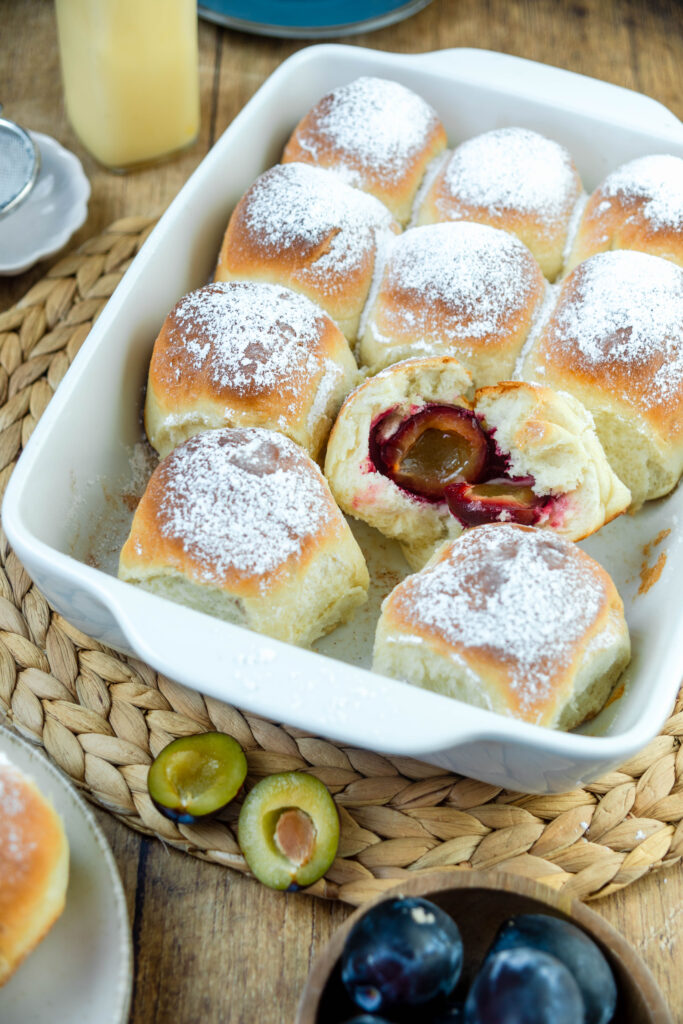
{"points": [[412, 456]]}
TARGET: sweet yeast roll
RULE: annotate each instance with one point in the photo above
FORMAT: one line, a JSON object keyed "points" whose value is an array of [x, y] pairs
{"points": [[305, 228], [556, 474], [247, 354], [241, 524], [638, 206], [514, 179], [512, 619], [360, 484], [615, 342], [376, 135], [459, 289], [34, 866], [412, 456]]}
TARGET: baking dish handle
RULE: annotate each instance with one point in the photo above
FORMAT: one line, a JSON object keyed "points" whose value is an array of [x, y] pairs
{"points": [[565, 89]]}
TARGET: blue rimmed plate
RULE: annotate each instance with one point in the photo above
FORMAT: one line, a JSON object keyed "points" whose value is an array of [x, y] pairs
{"points": [[308, 19]]}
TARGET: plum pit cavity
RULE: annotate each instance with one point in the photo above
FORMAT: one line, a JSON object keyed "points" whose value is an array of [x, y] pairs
{"points": [[288, 830], [442, 452], [503, 499], [295, 836], [436, 446]]}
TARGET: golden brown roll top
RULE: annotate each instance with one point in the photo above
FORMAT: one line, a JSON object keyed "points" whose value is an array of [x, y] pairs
{"points": [[615, 341], [514, 179], [376, 135], [34, 866], [464, 290], [238, 354], [304, 228], [241, 524], [511, 619], [638, 206]]}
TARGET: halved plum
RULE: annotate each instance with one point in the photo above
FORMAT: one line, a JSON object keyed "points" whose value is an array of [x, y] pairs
{"points": [[195, 776], [288, 830], [435, 447], [502, 499]]}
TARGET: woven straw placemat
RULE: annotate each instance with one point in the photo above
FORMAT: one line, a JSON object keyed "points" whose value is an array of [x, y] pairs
{"points": [[103, 717]]}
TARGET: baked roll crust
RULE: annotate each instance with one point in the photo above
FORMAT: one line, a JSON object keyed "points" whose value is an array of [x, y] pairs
{"points": [[512, 619], [34, 866], [413, 457], [514, 179], [304, 228], [615, 342], [464, 290], [638, 206], [376, 135], [247, 354], [241, 524]]}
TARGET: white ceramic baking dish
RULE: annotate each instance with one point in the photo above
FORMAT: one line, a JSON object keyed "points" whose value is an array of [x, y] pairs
{"points": [[61, 502]]}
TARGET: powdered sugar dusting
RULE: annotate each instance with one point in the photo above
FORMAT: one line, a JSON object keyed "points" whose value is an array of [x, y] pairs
{"points": [[330, 226], [540, 319], [525, 596], [513, 169], [246, 337], [324, 400], [622, 313], [241, 500], [14, 846], [658, 181], [373, 126], [462, 280]]}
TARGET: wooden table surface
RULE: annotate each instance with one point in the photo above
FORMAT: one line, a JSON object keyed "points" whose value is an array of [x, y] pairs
{"points": [[210, 945]]}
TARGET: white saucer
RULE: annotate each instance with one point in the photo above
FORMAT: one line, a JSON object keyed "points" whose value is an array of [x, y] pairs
{"points": [[82, 971], [55, 208]]}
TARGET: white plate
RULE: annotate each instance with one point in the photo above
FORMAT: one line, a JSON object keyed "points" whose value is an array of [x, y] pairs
{"points": [[56, 207], [81, 973], [60, 498]]}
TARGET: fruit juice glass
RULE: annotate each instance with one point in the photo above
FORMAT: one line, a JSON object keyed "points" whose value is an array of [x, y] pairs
{"points": [[130, 74]]}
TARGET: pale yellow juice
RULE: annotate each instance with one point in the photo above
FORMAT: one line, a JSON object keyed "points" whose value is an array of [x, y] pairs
{"points": [[130, 74]]}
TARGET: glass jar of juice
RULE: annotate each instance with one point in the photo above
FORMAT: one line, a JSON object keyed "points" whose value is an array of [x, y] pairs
{"points": [[130, 73]]}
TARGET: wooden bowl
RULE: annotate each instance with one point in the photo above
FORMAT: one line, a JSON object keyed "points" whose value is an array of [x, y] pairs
{"points": [[479, 901]]}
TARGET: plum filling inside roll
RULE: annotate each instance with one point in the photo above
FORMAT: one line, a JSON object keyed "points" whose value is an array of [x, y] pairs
{"points": [[501, 499], [442, 452], [425, 452]]}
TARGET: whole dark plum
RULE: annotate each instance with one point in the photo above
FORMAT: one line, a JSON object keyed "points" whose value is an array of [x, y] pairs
{"points": [[579, 954], [524, 986], [402, 954]]}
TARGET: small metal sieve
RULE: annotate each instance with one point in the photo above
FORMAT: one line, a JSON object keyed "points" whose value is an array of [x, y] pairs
{"points": [[19, 164]]}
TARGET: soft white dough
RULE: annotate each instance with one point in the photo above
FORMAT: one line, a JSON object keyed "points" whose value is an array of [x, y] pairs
{"points": [[359, 489]]}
